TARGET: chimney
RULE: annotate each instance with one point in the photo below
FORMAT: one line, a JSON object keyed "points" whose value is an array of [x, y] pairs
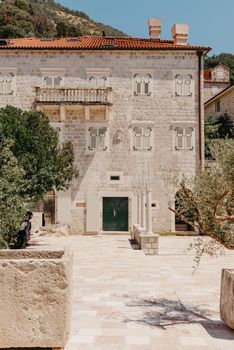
{"points": [[180, 34], [155, 25]]}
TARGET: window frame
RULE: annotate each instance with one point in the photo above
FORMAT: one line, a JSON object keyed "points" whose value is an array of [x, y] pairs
{"points": [[184, 134], [98, 127], [218, 106], [142, 126], [142, 76], [98, 73], [184, 74], [12, 89]]}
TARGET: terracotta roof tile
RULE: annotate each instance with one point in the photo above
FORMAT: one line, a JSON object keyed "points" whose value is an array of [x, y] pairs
{"points": [[96, 43]]}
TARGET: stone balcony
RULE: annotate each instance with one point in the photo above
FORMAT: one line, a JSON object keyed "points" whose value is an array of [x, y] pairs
{"points": [[71, 96]]}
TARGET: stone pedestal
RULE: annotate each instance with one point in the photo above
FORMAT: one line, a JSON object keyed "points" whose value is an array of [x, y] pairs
{"points": [[227, 297], [149, 243], [34, 298]]}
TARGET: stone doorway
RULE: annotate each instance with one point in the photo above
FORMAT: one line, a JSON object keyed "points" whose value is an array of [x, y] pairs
{"points": [[115, 214]]}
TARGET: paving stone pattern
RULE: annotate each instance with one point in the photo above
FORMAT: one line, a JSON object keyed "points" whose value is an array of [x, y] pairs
{"points": [[123, 299]]}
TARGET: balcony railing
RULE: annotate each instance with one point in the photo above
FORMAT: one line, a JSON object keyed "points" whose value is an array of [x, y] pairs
{"points": [[83, 96]]}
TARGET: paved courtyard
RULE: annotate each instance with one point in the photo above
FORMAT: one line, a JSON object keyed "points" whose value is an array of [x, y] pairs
{"points": [[125, 300]]}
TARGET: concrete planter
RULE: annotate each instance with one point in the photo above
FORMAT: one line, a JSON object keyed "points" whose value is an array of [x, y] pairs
{"points": [[34, 298], [227, 297]]}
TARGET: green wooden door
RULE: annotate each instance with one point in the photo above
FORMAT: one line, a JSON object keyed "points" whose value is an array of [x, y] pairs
{"points": [[115, 214]]}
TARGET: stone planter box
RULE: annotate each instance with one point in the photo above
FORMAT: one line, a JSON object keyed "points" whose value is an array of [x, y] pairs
{"points": [[34, 298], [227, 297]]}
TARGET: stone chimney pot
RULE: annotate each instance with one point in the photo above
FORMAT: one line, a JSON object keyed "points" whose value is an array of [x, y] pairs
{"points": [[155, 26], [180, 34]]}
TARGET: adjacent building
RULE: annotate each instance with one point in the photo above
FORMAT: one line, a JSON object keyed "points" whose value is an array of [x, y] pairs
{"points": [[216, 79], [133, 108], [221, 104]]}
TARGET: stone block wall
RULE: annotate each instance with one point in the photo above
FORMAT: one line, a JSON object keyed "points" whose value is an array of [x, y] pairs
{"points": [[162, 108], [149, 243]]}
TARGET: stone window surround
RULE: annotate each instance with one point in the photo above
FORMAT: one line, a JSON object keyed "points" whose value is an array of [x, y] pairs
{"points": [[60, 128], [143, 73], [184, 72], [10, 70], [183, 125], [141, 124], [115, 173], [99, 73], [53, 72], [98, 125]]}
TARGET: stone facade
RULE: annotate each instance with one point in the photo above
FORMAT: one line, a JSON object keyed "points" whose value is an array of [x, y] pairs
{"points": [[221, 104], [227, 297], [162, 109]]}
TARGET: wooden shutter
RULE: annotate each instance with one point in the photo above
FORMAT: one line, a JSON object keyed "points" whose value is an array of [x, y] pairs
{"points": [[57, 81], [179, 138], [179, 85], [146, 82], [102, 82], [189, 138], [146, 132], [188, 85], [137, 83], [8, 83], [137, 138], [2, 78], [48, 81], [92, 138], [102, 138]]}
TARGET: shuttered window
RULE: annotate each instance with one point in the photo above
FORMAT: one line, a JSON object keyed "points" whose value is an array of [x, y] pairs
{"points": [[97, 82], [6, 83], [142, 138], [97, 138], [52, 81], [184, 138], [142, 84], [183, 85]]}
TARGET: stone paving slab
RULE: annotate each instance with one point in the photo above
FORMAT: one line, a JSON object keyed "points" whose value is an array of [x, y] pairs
{"points": [[125, 300]]}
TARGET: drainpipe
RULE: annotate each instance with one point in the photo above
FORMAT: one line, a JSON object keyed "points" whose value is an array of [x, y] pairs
{"points": [[200, 123]]}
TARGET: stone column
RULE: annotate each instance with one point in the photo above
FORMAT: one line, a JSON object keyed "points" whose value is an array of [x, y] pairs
{"points": [[143, 211], [139, 209], [149, 211]]}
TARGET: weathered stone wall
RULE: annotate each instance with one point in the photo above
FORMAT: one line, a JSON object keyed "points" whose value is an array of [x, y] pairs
{"points": [[163, 108], [34, 298], [227, 297]]}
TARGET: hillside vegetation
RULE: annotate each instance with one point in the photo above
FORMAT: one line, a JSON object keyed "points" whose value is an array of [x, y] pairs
{"points": [[46, 18]]}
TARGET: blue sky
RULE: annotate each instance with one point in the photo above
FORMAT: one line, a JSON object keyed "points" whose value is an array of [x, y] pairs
{"points": [[211, 22]]}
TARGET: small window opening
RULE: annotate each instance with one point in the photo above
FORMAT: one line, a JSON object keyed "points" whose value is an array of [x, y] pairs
{"points": [[115, 178]]}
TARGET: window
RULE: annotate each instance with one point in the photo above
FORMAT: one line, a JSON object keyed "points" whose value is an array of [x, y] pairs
{"points": [[6, 83], [59, 129], [142, 84], [97, 82], [97, 138], [184, 138], [219, 74], [217, 106], [52, 81], [183, 84], [142, 138]]}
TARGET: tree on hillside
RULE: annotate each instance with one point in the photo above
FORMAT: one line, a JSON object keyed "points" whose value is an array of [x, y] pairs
{"points": [[224, 58], [209, 200]]}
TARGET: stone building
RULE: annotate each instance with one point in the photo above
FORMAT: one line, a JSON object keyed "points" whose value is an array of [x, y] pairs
{"points": [[221, 104], [133, 108], [216, 79]]}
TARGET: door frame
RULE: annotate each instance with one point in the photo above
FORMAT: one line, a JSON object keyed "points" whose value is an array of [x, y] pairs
{"points": [[128, 195]]}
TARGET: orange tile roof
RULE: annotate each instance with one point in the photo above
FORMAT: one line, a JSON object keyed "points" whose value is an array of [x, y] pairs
{"points": [[96, 43]]}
